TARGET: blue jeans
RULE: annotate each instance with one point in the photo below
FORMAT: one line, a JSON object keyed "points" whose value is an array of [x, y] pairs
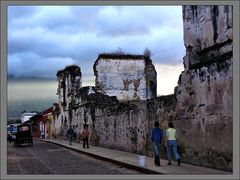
{"points": [[156, 149], [170, 144], [70, 138]]}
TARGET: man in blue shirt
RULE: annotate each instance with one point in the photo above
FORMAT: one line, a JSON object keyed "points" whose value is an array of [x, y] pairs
{"points": [[156, 137], [70, 133]]}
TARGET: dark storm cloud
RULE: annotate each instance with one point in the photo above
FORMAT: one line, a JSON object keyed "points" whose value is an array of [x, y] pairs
{"points": [[28, 64], [42, 40]]}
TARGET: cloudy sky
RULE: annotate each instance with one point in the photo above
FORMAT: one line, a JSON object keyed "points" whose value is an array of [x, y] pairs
{"points": [[44, 39]]}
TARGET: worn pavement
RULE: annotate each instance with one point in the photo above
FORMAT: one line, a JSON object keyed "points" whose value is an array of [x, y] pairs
{"points": [[135, 161]]}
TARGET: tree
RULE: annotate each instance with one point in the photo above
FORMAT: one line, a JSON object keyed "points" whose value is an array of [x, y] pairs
{"points": [[119, 51], [147, 53]]}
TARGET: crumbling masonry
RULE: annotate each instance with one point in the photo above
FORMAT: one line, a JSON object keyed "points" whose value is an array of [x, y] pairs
{"points": [[128, 77], [200, 108]]}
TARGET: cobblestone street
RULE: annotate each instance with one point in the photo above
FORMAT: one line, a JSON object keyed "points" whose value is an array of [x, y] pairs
{"points": [[47, 158]]}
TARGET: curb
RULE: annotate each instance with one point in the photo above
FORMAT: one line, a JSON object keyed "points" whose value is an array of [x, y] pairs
{"points": [[124, 164]]}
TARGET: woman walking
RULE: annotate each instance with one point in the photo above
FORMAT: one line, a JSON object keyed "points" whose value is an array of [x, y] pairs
{"points": [[172, 143]]}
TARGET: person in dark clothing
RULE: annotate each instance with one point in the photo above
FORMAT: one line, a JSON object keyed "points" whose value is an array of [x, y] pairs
{"points": [[70, 133], [75, 136], [85, 135], [156, 137]]}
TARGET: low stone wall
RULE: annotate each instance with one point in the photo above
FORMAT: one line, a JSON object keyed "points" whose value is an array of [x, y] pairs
{"points": [[126, 126]]}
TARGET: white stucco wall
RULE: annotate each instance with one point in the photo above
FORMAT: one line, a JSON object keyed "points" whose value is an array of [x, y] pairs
{"points": [[122, 78]]}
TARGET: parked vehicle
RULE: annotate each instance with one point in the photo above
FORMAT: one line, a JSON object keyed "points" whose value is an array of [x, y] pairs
{"points": [[11, 132], [23, 135]]}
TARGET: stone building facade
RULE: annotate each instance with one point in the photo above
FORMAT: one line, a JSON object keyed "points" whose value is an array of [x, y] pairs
{"points": [[128, 77], [81, 114]]}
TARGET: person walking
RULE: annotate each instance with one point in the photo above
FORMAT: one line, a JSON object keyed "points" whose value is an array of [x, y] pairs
{"points": [[172, 144], [85, 135], [70, 133], [156, 137]]}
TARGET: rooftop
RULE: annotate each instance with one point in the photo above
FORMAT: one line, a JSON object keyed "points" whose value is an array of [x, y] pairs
{"points": [[120, 56]]}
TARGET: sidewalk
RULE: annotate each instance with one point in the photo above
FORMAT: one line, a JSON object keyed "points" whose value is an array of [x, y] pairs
{"points": [[131, 160]]}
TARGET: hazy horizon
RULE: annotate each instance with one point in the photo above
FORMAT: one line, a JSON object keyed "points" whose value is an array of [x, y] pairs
{"points": [[30, 95]]}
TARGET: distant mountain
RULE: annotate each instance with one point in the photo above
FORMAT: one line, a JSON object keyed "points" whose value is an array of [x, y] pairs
{"points": [[27, 78], [15, 108], [30, 95], [13, 77], [13, 121]]}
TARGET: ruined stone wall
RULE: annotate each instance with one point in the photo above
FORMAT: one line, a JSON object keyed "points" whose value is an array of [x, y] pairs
{"points": [[125, 129], [69, 82], [207, 35], [81, 116], [204, 92], [200, 108], [122, 125], [127, 125], [57, 122], [113, 124], [127, 78]]}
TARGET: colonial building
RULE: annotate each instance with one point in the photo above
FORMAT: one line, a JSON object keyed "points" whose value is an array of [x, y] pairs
{"points": [[42, 124], [35, 122], [128, 77], [46, 125]]}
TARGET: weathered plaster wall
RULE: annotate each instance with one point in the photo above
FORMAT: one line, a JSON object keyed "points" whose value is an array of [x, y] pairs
{"points": [[69, 82], [124, 129], [201, 108], [56, 120], [204, 92], [126, 77], [207, 34], [114, 124], [126, 125]]}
